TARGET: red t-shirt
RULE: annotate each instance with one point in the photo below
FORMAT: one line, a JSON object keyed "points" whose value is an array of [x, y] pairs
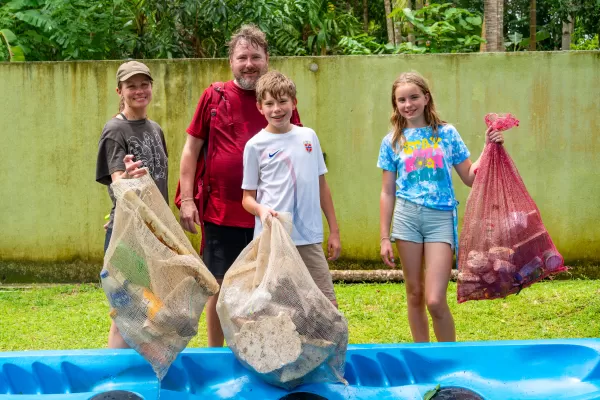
{"points": [[226, 161]]}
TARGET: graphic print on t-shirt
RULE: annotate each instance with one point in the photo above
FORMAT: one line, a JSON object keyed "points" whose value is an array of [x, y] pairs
{"points": [[308, 146], [273, 153], [424, 164], [424, 160], [150, 151]]}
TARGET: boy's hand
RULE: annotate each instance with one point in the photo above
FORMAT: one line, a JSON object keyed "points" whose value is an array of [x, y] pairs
{"points": [[263, 213], [493, 136], [387, 253], [334, 246]]}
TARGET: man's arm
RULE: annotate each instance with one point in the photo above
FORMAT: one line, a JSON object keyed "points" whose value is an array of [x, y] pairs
{"points": [[188, 213], [334, 247]]}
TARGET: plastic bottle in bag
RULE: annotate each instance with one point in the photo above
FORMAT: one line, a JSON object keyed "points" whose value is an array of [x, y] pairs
{"points": [[115, 292], [530, 271]]}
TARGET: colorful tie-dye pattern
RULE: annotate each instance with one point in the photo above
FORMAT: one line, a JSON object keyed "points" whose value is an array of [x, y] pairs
{"points": [[424, 165]]}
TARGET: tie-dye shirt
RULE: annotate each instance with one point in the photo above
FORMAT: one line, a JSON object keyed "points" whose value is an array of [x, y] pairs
{"points": [[424, 165]]}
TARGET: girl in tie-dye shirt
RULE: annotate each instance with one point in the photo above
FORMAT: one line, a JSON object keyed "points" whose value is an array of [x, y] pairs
{"points": [[417, 159]]}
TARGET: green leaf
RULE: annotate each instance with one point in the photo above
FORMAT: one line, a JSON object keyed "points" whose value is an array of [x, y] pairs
{"points": [[541, 35], [9, 36], [474, 20], [15, 52], [431, 393]]}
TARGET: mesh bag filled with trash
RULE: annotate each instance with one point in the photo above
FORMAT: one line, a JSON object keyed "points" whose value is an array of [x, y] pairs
{"points": [[154, 281], [504, 246], [274, 317]]}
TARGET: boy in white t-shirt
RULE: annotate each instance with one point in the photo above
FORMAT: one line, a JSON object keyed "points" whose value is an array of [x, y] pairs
{"points": [[284, 170]]}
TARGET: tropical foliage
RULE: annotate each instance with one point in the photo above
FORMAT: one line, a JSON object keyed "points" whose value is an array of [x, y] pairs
{"points": [[119, 29]]}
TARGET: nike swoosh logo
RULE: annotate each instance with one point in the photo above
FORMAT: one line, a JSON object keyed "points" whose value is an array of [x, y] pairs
{"points": [[271, 155]]}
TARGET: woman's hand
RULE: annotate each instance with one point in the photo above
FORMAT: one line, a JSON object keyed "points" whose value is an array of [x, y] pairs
{"points": [[132, 168]]}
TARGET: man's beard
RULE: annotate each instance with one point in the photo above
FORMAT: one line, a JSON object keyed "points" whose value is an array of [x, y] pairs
{"points": [[249, 84]]}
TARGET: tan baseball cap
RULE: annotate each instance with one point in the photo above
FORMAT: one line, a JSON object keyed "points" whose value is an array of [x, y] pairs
{"points": [[131, 68]]}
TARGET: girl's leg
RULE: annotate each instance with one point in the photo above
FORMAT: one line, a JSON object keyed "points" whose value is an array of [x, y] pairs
{"points": [[438, 267], [411, 257], [115, 340]]}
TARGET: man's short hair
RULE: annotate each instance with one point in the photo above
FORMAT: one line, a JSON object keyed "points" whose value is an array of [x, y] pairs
{"points": [[249, 33], [276, 84]]}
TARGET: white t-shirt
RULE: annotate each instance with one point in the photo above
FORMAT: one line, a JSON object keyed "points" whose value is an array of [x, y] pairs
{"points": [[284, 169]]}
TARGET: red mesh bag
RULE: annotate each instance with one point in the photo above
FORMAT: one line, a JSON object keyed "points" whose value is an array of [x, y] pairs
{"points": [[504, 246]]}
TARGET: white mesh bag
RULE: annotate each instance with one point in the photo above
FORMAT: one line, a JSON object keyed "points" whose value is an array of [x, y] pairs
{"points": [[155, 282], [275, 319]]}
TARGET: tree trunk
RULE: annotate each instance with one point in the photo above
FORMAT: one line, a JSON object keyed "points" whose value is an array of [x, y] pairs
{"points": [[567, 30], [482, 45], [490, 17], [411, 35], [378, 275], [366, 16], [397, 26], [397, 33], [500, 46], [389, 22], [532, 25]]}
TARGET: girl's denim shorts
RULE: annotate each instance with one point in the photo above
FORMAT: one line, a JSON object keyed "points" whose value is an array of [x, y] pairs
{"points": [[420, 224]]}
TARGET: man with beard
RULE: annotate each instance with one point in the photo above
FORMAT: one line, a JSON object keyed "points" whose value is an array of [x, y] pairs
{"points": [[225, 119]]}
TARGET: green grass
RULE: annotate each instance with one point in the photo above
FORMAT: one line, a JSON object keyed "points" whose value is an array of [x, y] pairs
{"points": [[76, 316]]}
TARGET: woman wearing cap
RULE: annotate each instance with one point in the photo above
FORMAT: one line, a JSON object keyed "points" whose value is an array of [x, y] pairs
{"points": [[129, 142]]}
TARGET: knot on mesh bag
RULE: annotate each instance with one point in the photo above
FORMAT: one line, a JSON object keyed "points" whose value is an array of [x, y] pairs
{"points": [[155, 282], [274, 317], [501, 122], [504, 246]]}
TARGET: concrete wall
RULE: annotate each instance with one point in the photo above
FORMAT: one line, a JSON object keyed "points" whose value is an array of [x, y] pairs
{"points": [[52, 114]]}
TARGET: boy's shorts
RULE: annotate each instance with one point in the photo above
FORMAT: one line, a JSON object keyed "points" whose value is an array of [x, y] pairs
{"points": [[420, 224], [223, 245], [314, 258]]}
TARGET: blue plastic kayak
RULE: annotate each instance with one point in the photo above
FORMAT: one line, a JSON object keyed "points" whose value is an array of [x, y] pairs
{"points": [[543, 369]]}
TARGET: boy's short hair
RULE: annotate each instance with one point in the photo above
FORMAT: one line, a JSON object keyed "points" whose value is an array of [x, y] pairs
{"points": [[249, 33], [276, 84]]}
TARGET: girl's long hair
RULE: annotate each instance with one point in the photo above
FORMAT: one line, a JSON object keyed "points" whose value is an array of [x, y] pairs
{"points": [[399, 123]]}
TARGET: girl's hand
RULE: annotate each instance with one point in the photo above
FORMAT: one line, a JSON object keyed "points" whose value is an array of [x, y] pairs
{"points": [[132, 168], [264, 212], [493, 136], [387, 253]]}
